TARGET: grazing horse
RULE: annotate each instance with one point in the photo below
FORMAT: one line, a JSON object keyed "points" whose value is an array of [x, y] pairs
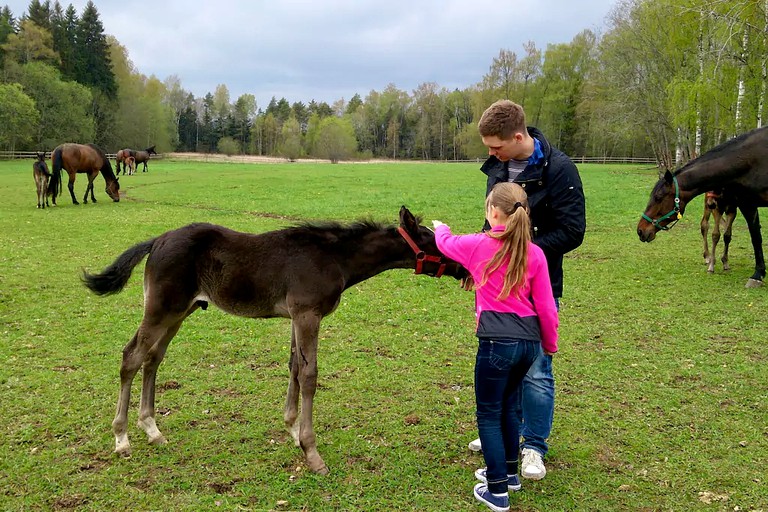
{"points": [[741, 165], [143, 156], [297, 273], [721, 205], [41, 175], [82, 158]]}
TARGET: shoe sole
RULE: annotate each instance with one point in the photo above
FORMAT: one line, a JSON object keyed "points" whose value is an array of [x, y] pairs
{"points": [[533, 476]]}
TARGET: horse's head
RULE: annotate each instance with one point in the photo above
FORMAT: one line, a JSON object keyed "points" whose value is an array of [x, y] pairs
{"points": [[113, 190], [429, 259], [151, 150], [41, 157], [664, 208]]}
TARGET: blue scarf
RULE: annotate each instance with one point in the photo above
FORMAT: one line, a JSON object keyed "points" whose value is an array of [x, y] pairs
{"points": [[537, 155]]}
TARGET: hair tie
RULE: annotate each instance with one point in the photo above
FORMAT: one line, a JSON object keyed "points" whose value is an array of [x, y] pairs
{"points": [[516, 206]]}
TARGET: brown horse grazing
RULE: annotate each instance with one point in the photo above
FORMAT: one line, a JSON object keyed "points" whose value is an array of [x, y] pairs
{"points": [[82, 158], [41, 175], [297, 273], [722, 206], [741, 164], [142, 157]]}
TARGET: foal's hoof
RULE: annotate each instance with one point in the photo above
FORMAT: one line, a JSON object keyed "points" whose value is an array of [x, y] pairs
{"points": [[753, 283], [323, 471], [156, 441], [123, 452]]}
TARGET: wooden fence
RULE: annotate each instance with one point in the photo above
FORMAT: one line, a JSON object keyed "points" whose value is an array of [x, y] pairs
{"points": [[31, 155]]}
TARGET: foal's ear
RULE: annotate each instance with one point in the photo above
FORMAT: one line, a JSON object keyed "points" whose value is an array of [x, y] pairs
{"points": [[668, 177], [407, 220]]}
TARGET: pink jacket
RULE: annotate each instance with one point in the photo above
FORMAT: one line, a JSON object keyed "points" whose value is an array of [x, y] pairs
{"points": [[531, 316]]}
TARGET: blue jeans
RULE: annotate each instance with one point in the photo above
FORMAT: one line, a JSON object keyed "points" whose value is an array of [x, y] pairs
{"points": [[536, 408], [500, 366]]}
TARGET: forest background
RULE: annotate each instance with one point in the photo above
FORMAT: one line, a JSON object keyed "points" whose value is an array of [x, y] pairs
{"points": [[667, 80]]}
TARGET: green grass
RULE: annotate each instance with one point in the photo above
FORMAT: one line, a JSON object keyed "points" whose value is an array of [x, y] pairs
{"points": [[662, 374]]}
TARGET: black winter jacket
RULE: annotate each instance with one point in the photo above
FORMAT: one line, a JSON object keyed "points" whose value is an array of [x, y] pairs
{"points": [[556, 200]]}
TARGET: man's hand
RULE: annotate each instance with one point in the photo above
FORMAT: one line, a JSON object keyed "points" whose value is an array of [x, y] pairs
{"points": [[437, 223]]}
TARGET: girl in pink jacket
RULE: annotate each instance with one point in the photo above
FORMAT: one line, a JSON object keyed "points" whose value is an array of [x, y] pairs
{"points": [[516, 318]]}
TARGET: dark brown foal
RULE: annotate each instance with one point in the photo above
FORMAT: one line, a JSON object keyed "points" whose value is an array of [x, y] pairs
{"points": [[297, 273]]}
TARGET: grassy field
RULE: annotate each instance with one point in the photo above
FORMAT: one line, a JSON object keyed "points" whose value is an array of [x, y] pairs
{"points": [[662, 374]]}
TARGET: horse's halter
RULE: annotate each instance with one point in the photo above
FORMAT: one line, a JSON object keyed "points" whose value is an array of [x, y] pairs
{"points": [[421, 256], [675, 212]]}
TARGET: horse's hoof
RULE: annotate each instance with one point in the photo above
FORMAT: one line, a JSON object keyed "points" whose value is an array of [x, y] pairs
{"points": [[156, 441], [323, 471], [123, 452], [753, 283]]}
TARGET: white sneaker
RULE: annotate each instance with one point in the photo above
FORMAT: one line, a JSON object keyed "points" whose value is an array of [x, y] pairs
{"points": [[532, 466], [475, 446]]}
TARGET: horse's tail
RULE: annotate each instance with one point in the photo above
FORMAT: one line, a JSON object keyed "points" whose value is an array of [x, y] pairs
{"points": [[54, 186], [114, 278]]}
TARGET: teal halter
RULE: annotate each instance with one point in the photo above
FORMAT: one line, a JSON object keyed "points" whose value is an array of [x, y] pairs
{"points": [[674, 213]]}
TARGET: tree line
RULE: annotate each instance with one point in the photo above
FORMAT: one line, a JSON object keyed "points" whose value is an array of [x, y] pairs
{"points": [[668, 79]]}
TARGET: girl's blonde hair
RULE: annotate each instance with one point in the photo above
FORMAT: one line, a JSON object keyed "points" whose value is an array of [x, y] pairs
{"points": [[511, 200]]}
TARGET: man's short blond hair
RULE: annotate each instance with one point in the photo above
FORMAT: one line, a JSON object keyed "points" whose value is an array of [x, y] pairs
{"points": [[502, 119]]}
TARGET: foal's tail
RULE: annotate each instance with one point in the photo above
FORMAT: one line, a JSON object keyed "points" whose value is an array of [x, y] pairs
{"points": [[115, 276], [55, 187]]}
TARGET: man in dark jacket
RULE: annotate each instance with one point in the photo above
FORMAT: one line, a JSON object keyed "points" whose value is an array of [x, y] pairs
{"points": [[556, 199]]}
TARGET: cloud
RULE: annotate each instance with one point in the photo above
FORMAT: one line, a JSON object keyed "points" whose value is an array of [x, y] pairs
{"points": [[329, 49]]}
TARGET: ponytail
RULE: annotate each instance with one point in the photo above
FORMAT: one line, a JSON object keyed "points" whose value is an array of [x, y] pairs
{"points": [[514, 239]]}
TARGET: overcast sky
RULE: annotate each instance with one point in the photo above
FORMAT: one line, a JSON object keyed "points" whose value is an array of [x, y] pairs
{"points": [[331, 49]]}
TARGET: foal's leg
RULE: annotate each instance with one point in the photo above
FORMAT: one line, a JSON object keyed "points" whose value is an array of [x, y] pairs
{"points": [[142, 347], [133, 355], [306, 326], [40, 192], [717, 216], [705, 232], [147, 406], [291, 412], [728, 227]]}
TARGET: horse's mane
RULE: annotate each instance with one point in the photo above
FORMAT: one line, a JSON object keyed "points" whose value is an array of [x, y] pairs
{"points": [[333, 231], [718, 150]]}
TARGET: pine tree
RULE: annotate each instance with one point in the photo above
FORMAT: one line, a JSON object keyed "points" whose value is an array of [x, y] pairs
{"points": [[93, 66], [63, 31], [7, 27], [40, 13]]}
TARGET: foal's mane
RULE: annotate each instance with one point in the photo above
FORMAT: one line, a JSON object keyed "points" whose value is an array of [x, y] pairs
{"points": [[333, 231]]}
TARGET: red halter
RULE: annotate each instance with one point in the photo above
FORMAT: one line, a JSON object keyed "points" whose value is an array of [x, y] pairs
{"points": [[421, 256]]}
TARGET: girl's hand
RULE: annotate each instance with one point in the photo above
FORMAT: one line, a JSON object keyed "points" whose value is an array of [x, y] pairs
{"points": [[546, 352], [436, 224]]}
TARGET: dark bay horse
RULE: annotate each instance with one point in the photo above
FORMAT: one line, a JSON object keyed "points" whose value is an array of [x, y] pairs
{"points": [[41, 175], [297, 273], [722, 206], [741, 165], [142, 157], [82, 158]]}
